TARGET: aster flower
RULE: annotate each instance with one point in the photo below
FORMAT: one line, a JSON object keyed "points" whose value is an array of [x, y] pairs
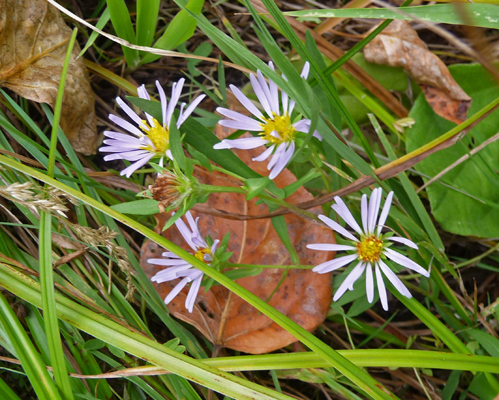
{"points": [[369, 251], [275, 127], [153, 138], [179, 268]]}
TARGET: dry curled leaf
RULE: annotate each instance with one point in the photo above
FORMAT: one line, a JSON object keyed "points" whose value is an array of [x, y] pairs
{"points": [[226, 319], [399, 46], [33, 43]]}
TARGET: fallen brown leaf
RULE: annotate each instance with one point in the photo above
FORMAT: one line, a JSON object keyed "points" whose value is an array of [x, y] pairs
{"points": [[226, 319], [400, 46], [33, 40]]}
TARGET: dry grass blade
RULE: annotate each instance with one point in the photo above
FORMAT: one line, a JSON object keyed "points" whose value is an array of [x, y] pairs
{"points": [[152, 50]]}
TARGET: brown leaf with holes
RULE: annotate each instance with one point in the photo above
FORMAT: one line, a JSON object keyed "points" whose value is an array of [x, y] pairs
{"points": [[400, 46], [33, 44], [226, 319]]}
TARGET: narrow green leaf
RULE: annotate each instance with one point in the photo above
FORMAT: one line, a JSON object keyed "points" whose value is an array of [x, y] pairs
{"points": [[6, 392], [279, 224], [176, 144], [180, 29], [31, 361], [120, 17], [58, 360], [138, 207], [147, 18], [482, 15], [101, 23], [137, 344], [255, 186]]}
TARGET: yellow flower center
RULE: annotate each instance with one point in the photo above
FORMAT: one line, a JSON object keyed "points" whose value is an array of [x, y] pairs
{"points": [[159, 136], [201, 253], [369, 249], [280, 124]]}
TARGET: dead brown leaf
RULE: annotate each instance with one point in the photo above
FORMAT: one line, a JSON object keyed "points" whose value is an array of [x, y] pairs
{"points": [[33, 40], [226, 319], [400, 46]]}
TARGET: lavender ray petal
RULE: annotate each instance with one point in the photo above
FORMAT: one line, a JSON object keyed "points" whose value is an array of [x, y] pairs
{"points": [[260, 94], [405, 241], [394, 279], [335, 264], [384, 213], [337, 228], [405, 262], [369, 283], [265, 154], [176, 290], [190, 109], [381, 288], [350, 280], [329, 247], [126, 125], [246, 102]]}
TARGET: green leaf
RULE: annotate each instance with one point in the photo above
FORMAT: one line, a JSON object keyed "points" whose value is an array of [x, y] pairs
{"points": [[181, 28], [242, 273], [120, 17], [487, 341], [483, 15], [451, 385], [101, 23], [176, 144], [469, 206], [255, 186], [25, 351], [94, 344], [138, 207], [116, 352], [147, 18]]}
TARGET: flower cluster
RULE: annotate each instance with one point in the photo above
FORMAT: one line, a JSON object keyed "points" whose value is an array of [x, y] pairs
{"points": [[179, 268], [275, 128], [149, 139], [153, 138], [370, 250]]}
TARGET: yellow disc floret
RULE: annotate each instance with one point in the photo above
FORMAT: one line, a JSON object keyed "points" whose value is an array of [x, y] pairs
{"points": [[201, 253], [159, 136], [282, 125], [369, 249]]}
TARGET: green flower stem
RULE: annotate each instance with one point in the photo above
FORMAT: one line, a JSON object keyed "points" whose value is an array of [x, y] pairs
{"points": [[221, 189], [360, 378]]}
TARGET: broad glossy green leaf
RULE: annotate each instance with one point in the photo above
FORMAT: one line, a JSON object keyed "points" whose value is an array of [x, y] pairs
{"points": [[471, 208]]}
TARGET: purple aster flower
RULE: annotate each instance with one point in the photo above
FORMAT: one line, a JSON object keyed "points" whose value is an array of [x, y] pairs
{"points": [[179, 268], [274, 127], [369, 250], [150, 139]]}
